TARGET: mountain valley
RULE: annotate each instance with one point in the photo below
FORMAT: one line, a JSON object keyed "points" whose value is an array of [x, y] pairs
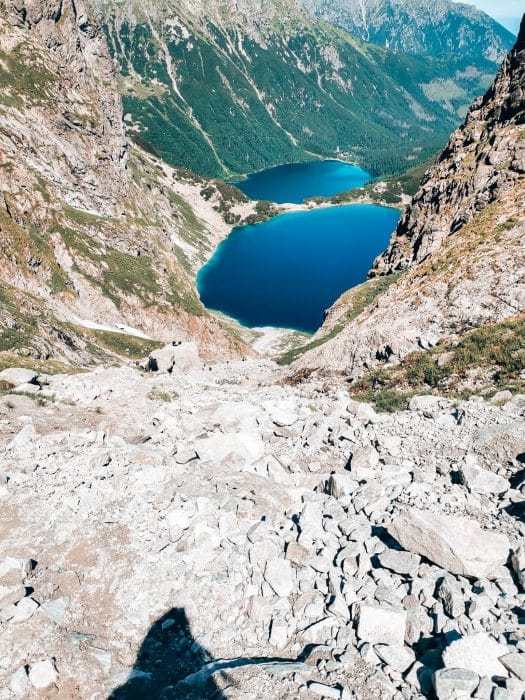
{"points": [[195, 509], [210, 72]]}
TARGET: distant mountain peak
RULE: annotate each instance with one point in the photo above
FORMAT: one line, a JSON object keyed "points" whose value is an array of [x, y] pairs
{"points": [[432, 27]]}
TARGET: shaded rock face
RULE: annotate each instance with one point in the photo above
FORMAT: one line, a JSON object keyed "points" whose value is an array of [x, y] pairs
{"points": [[483, 161]]}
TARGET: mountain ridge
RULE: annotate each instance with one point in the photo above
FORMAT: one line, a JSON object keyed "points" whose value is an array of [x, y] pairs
{"points": [[93, 229], [419, 27]]}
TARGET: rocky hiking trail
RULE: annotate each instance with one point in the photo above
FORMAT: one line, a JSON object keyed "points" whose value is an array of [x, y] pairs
{"points": [[215, 532]]}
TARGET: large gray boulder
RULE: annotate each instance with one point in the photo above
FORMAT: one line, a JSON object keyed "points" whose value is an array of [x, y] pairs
{"points": [[175, 357], [479, 480], [479, 653], [382, 625], [457, 544], [16, 376], [451, 683]]}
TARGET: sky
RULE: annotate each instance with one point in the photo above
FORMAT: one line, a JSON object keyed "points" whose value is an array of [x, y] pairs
{"points": [[500, 8]]}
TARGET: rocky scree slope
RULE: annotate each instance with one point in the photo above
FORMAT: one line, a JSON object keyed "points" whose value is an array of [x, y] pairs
{"points": [[194, 76], [456, 260], [220, 534], [91, 229], [421, 27]]}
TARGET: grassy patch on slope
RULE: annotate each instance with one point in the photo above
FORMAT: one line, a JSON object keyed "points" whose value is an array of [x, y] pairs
{"points": [[482, 362], [128, 346]]}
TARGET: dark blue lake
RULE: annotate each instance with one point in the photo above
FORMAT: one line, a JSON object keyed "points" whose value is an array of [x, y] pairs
{"points": [[287, 271], [295, 182]]}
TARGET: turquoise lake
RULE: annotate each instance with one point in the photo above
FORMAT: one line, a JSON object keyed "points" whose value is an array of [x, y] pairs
{"points": [[295, 182], [287, 271]]}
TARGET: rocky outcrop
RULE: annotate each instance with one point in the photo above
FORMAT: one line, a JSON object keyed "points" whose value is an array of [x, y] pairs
{"points": [[457, 253], [72, 123], [483, 161]]}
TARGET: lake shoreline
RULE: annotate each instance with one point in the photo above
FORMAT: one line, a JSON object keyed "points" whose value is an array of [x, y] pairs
{"points": [[286, 272]]}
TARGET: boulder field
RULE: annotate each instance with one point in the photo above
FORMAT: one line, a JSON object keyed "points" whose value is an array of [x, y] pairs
{"points": [[214, 532]]}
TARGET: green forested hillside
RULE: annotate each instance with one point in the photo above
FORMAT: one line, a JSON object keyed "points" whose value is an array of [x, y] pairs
{"points": [[222, 99]]}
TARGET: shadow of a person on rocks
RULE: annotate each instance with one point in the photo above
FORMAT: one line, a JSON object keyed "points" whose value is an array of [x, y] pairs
{"points": [[167, 656]]}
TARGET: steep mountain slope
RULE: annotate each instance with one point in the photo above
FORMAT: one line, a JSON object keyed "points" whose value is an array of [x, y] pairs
{"points": [[196, 76], [461, 239], [421, 27], [91, 230]]}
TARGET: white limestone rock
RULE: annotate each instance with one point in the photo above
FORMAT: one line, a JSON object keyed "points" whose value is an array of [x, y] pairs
{"points": [[452, 683], [479, 653], [219, 447], [282, 413], [479, 480], [341, 485], [10, 593], [515, 663], [279, 634], [278, 573], [56, 609], [364, 463], [28, 388], [19, 683], [515, 688], [397, 657], [404, 563], [17, 376], [42, 674], [324, 691], [25, 609], [382, 625], [451, 596], [175, 358], [427, 404], [457, 544]]}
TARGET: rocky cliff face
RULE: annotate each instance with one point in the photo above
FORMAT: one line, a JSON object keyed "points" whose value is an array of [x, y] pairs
{"points": [[95, 234], [460, 244], [65, 109], [483, 161]]}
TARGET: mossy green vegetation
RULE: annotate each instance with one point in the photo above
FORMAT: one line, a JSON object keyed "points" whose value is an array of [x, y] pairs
{"points": [[482, 362], [51, 366], [120, 272], [24, 75], [22, 327], [356, 301], [182, 296], [128, 346], [82, 217]]}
